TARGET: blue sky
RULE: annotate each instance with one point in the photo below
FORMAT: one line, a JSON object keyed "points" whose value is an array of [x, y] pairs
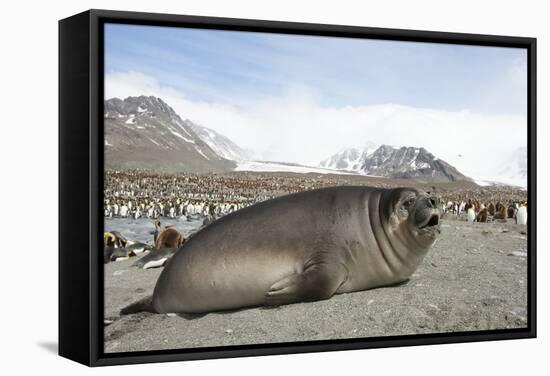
{"points": [[301, 99], [237, 68]]}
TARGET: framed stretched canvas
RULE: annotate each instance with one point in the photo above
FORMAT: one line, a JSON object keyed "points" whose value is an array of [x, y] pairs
{"points": [[235, 187]]}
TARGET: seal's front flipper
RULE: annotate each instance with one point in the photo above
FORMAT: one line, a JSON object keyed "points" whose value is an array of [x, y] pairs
{"points": [[285, 291], [317, 282]]}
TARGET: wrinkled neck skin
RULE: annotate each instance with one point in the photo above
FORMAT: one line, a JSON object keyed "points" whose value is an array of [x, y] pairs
{"points": [[401, 244]]}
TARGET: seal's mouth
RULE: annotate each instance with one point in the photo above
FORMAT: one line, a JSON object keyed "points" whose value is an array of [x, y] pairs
{"points": [[433, 221]]}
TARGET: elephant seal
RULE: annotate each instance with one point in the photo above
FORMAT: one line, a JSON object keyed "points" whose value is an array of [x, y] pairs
{"points": [[300, 247]]}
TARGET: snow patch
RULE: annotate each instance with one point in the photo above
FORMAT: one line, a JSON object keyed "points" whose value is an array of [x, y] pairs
{"points": [[201, 153], [183, 127], [281, 167], [518, 182], [221, 145], [484, 183], [182, 137]]}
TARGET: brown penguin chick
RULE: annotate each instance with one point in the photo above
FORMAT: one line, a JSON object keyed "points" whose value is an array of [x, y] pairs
{"points": [[482, 215], [491, 208], [501, 213], [477, 206], [169, 237], [511, 212]]}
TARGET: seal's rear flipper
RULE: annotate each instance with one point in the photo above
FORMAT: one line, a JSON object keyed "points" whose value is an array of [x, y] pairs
{"points": [[143, 305]]}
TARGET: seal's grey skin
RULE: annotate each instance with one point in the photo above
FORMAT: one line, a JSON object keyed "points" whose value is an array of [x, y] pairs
{"points": [[300, 247]]}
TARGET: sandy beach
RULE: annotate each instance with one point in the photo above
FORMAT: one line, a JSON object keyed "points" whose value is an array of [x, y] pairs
{"points": [[474, 278]]}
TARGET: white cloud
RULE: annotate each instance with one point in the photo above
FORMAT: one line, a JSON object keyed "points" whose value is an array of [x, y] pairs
{"points": [[295, 128]]}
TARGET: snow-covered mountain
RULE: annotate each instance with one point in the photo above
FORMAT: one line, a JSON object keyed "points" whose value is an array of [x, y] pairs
{"points": [[404, 162], [222, 145], [349, 159], [146, 133], [512, 171]]}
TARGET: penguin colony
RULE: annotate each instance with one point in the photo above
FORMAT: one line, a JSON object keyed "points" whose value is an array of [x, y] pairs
{"points": [[140, 194]]}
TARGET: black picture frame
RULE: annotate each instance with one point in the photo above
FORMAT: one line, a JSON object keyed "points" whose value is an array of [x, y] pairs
{"points": [[81, 169]]}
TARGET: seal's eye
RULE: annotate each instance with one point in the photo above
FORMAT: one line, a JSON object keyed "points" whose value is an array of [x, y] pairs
{"points": [[409, 202]]}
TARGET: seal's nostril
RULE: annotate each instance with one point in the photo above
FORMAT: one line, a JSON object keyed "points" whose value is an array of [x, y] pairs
{"points": [[433, 202]]}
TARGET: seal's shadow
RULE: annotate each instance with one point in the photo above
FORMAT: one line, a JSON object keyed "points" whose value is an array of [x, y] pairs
{"points": [[191, 316], [194, 316], [51, 347], [398, 284]]}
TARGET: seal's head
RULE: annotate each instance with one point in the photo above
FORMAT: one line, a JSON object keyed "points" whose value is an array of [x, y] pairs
{"points": [[417, 211]]}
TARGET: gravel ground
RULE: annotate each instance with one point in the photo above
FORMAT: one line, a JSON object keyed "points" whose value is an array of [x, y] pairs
{"points": [[474, 278]]}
